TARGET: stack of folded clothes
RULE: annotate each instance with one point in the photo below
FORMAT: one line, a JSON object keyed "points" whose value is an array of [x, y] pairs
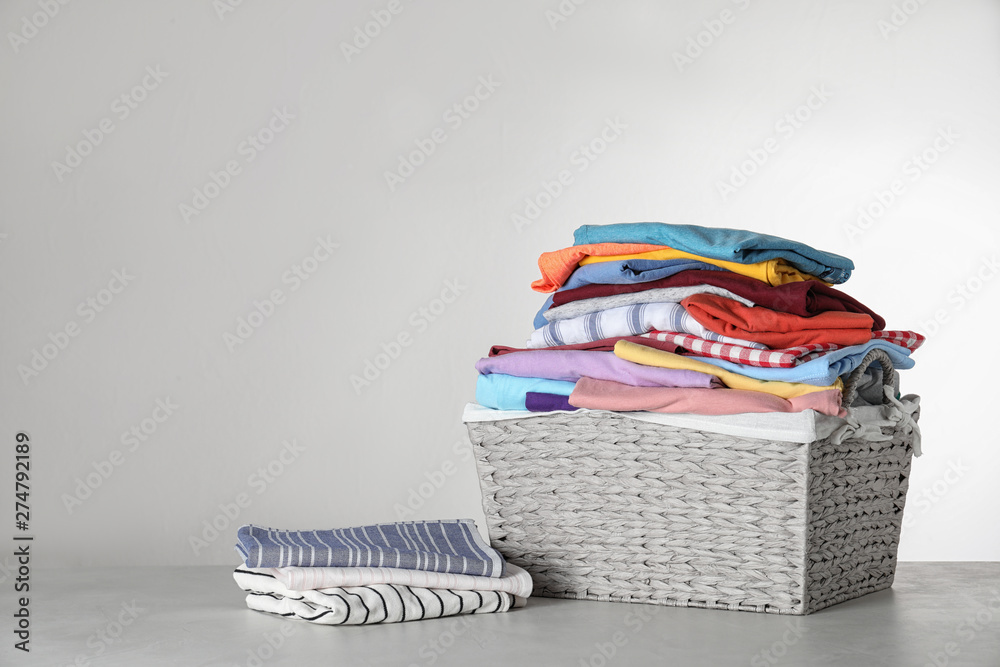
{"points": [[382, 573], [687, 319]]}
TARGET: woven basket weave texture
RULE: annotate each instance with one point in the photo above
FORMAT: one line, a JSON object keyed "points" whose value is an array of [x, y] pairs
{"points": [[600, 506]]}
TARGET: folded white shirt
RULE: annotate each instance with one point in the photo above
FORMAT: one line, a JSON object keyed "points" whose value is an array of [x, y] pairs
{"points": [[626, 321], [659, 295], [515, 580], [366, 605]]}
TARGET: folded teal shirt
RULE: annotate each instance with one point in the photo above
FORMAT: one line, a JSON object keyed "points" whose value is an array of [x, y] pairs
{"points": [[507, 392], [731, 245]]}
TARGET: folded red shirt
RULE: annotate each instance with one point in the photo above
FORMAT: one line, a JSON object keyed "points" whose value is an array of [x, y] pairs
{"points": [[774, 328]]}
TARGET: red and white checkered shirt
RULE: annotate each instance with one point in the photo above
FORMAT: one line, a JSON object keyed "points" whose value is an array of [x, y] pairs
{"points": [[784, 358]]}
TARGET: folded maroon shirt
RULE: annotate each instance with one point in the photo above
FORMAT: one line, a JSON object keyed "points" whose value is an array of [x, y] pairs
{"points": [[805, 298], [603, 345]]}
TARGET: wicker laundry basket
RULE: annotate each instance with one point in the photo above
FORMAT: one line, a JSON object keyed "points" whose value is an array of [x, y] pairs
{"points": [[601, 506]]}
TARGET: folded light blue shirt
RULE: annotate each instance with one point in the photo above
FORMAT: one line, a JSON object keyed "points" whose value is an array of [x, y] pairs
{"points": [[623, 272], [731, 245], [507, 392], [626, 271], [821, 371]]}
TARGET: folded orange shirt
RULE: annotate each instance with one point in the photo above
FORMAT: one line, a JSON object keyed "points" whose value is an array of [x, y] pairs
{"points": [[776, 329], [556, 266]]}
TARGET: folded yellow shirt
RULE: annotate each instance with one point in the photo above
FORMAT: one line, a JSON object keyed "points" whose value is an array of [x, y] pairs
{"points": [[648, 356], [773, 271]]}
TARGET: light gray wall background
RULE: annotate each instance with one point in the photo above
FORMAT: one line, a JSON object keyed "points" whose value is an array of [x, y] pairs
{"points": [[898, 82]]}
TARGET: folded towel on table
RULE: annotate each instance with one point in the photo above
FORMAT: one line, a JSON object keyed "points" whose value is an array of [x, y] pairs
{"points": [[368, 605], [514, 581], [440, 546]]}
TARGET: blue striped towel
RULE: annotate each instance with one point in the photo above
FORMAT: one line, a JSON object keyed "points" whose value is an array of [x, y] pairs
{"points": [[453, 546]]}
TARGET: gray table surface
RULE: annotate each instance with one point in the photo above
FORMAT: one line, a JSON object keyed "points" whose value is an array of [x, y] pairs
{"points": [[936, 614]]}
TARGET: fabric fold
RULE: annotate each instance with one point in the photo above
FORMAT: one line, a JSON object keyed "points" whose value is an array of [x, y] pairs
{"points": [[368, 605], [571, 365], [557, 266], [509, 392], [772, 328], [632, 271], [645, 355], [662, 295], [606, 395], [734, 245], [823, 369], [902, 342], [805, 298], [602, 345], [625, 272], [514, 581], [536, 401], [626, 321], [453, 546]]}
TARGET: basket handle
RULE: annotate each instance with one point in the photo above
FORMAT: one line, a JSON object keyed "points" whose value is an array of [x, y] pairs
{"points": [[888, 375]]}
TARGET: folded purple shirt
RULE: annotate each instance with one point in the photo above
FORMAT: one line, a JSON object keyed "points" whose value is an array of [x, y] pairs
{"points": [[536, 401], [571, 365]]}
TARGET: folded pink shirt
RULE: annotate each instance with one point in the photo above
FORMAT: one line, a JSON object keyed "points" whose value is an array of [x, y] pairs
{"points": [[608, 395]]}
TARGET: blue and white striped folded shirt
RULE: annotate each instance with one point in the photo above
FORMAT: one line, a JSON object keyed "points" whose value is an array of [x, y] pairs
{"points": [[453, 546], [626, 321]]}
